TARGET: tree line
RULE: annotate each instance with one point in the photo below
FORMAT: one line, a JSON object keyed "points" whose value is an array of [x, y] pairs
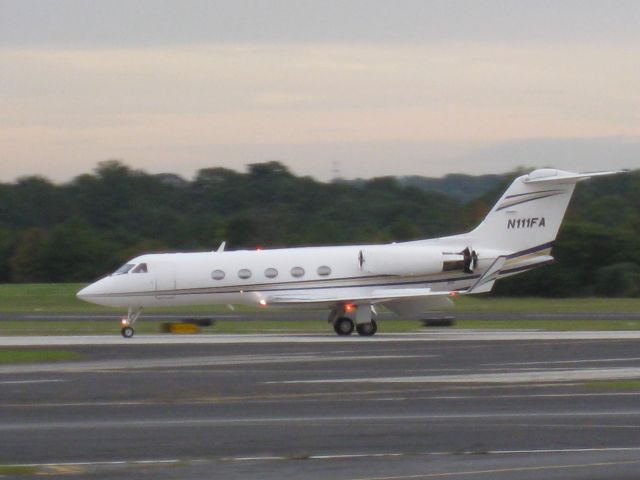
{"points": [[79, 230]]}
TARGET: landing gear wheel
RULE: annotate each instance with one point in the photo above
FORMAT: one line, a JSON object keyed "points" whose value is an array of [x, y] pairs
{"points": [[127, 332], [343, 326], [367, 329]]}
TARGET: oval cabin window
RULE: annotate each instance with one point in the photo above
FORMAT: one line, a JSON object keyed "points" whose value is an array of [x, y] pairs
{"points": [[324, 271], [217, 274], [297, 271], [244, 273], [271, 273]]}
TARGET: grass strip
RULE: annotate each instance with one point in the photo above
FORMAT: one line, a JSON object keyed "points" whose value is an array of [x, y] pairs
{"points": [[556, 325], [10, 356], [625, 384], [17, 470]]}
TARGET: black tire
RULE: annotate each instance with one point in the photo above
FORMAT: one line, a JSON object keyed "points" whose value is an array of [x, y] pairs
{"points": [[367, 329], [343, 326], [127, 332]]}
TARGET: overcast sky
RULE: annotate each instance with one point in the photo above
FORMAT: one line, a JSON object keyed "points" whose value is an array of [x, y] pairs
{"points": [[380, 87]]}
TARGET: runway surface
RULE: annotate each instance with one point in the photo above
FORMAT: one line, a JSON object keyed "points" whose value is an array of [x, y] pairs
{"points": [[455, 405]]}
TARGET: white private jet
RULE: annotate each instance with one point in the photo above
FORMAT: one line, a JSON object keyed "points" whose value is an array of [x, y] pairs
{"points": [[407, 278]]}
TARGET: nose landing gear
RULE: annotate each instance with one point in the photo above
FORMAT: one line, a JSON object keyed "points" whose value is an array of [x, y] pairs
{"points": [[129, 321], [127, 332]]}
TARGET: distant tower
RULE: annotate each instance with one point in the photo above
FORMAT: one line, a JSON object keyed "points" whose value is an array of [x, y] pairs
{"points": [[336, 171]]}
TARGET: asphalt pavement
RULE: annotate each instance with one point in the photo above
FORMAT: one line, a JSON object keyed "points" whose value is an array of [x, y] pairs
{"points": [[459, 405]]}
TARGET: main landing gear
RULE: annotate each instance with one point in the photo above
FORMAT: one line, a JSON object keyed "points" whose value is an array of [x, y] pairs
{"points": [[343, 326], [347, 318], [129, 321], [367, 329]]}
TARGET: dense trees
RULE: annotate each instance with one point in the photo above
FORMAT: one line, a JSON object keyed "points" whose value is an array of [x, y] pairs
{"points": [[86, 227]]}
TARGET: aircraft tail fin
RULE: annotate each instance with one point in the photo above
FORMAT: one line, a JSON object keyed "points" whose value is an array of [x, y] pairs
{"points": [[529, 214]]}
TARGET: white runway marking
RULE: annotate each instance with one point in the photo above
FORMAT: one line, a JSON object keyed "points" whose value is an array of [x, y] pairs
{"points": [[210, 361], [552, 362], [402, 454], [519, 377], [266, 458], [224, 339], [343, 399], [301, 420], [97, 463], [18, 382]]}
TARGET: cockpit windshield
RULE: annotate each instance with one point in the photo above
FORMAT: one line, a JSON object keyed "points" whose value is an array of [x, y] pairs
{"points": [[132, 268], [140, 268], [124, 269]]}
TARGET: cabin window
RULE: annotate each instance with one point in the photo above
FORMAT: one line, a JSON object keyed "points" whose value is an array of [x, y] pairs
{"points": [[217, 274], [323, 271], [141, 268], [124, 269], [297, 271], [271, 273], [244, 273]]}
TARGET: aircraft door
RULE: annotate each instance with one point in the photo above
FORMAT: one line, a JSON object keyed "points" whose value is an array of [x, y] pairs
{"points": [[165, 277]]}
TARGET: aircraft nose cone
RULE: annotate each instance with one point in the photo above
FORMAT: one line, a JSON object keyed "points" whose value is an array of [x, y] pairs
{"points": [[87, 293], [82, 294]]}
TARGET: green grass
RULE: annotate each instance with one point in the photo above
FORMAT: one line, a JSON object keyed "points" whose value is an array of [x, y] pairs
{"points": [[624, 384], [61, 298], [34, 356], [559, 325], [488, 303], [17, 470]]}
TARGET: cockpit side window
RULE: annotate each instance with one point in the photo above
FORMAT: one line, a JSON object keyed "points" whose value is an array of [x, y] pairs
{"points": [[141, 268], [124, 269]]}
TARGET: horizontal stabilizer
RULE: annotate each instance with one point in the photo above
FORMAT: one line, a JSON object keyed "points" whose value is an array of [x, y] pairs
{"points": [[552, 176]]}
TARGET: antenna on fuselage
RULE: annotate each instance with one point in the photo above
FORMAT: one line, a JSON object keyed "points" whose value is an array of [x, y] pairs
{"points": [[221, 247]]}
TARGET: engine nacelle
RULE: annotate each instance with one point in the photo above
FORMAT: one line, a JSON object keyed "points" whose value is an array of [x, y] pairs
{"points": [[401, 260]]}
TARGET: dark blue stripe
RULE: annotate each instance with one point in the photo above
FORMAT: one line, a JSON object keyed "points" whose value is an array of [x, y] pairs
{"points": [[521, 253], [526, 201], [533, 193], [524, 268]]}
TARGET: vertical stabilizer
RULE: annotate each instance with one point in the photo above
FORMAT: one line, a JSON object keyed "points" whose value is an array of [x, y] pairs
{"points": [[530, 212]]}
